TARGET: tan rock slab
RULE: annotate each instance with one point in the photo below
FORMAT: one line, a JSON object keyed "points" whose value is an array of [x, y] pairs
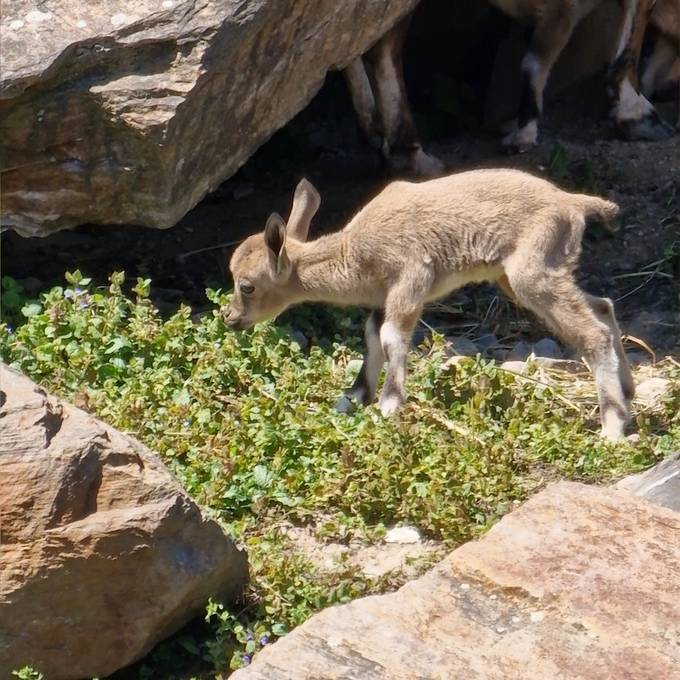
{"points": [[579, 582]]}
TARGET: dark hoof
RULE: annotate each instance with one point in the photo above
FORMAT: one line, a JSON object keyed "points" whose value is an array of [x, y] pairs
{"points": [[514, 149], [345, 405], [652, 128]]}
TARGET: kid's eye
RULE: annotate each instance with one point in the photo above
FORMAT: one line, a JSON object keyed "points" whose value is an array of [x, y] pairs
{"points": [[246, 288]]}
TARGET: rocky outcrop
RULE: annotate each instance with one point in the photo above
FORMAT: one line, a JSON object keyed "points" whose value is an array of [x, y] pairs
{"points": [[660, 484], [132, 113], [579, 582], [102, 553]]}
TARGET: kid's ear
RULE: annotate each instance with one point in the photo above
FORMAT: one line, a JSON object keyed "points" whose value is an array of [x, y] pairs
{"points": [[275, 240], [306, 202]]}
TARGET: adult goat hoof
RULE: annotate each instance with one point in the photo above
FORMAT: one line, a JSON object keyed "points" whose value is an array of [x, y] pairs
{"points": [[651, 128]]}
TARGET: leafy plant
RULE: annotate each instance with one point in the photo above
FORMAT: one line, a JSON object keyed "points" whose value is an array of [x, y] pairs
{"points": [[28, 673], [245, 420], [14, 305]]}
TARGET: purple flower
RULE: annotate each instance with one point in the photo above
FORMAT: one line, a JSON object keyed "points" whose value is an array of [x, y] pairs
{"points": [[249, 636], [69, 294], [246, 659], [264, 640], [84, 305], [10, 329]]}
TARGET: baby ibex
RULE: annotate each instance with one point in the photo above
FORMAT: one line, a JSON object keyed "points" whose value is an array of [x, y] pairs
{"points": [[416, 242]]}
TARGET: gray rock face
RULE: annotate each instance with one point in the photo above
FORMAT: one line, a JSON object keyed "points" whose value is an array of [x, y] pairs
{"points": [[102, 553], [131, 112], [579, 582], [660, 484]]}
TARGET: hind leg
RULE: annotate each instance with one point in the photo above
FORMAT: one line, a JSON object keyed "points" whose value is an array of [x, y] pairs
{"points": [[659, 63], [604, 310], [363, 100], [556, 299]]}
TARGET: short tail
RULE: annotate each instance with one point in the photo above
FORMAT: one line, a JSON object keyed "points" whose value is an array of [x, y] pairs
{"points": [[604, 210]]}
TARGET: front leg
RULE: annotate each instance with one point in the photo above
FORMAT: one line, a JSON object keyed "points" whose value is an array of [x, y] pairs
{"points": [[635, 116], [550, 35], [395, 338], [402, 148], [364, 387]]}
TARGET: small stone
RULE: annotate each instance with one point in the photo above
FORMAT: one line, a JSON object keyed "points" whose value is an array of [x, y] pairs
{"points": [[461, 346], [402, 535], [568, 365], [243, 190], [547, 348], [516, 619], [636, 358], [16, 24], [535, 617], [487, 342], [519, 352], [37, 16], [81, 24], [650, 392], [455, 360], [493, 597], [344, 405], [514, 366], [354, 365], [465, 586], [299, 337], [118, 19], [500, 629]]}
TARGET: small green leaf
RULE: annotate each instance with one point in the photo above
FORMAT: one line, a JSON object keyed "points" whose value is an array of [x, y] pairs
{"points": [[31, 309]]}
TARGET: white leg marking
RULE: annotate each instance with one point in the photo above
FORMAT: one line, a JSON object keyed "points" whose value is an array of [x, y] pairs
{"points": [[361, 93], [395, 349], [631, 104], [524, 137], [531, 64], [390, 96], [626, 28], [609, 388], [389, 405], [425, 165]]}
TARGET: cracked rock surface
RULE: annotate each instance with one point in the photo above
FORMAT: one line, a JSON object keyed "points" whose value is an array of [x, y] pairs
{"points": [[102, 553], [130, 114], [579, 582]]}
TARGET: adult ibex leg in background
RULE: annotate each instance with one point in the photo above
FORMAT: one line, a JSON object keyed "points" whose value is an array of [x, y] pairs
{"points": [[635, 116], [379, 95], [376, 85], [662, 69]]}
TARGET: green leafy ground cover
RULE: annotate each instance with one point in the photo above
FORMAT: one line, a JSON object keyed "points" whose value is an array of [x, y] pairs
{"points": [[245, 421]]}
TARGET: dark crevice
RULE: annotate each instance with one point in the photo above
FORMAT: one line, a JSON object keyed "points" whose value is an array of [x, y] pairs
{"points": [[52, 422]]}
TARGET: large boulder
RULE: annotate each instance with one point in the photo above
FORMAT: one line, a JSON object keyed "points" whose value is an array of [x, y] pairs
{"points": [[102, 553], [579, 582], [131, 112]]}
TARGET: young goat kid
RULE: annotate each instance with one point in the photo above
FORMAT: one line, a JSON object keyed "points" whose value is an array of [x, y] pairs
{"points": [[414, 243]]}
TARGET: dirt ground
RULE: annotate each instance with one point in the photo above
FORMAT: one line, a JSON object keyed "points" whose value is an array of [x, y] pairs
{"points": [[638, 267]]}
